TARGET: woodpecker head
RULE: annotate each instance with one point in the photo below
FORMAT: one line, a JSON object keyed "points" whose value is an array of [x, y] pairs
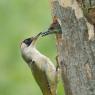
{"points": [[54, 28], [29, 42]]}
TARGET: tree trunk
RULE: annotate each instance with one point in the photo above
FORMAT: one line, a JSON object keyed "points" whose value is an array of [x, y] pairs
{"points": [[76, 50]]}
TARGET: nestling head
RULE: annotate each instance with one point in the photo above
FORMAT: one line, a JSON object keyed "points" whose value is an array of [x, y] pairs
{"points": [[53, 28]]}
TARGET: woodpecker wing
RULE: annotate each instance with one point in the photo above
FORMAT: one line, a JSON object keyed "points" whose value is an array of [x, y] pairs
{"points": [[52, 76], [42, 80]]}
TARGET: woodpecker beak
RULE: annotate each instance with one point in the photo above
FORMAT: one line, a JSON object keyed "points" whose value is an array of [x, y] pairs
{"points": [[35, 38], [47, 33]]}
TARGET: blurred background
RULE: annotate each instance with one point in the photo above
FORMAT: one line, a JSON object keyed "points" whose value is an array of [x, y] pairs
{"points": [[20, 19]]}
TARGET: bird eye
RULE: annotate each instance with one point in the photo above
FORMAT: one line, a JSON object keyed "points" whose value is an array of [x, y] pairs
{"points": [[28, 41]]}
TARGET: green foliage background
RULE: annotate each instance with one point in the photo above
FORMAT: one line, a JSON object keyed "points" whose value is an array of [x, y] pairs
{"points": [[20, 19]]}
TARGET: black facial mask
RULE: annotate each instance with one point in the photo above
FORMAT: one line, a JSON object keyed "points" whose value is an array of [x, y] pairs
{"points": [[28, 41]]}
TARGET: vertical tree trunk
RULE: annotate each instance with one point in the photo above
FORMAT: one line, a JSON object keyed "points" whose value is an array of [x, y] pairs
{"points": [[76, 51]]}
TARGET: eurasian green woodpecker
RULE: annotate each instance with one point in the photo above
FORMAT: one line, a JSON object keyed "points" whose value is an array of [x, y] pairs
{"points": [[41, 66]]}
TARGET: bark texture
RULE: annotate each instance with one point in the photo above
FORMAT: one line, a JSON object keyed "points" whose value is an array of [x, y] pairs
{"points": [[76, 52]]}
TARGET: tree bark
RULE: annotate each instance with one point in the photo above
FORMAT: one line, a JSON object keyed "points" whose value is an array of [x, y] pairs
{"points": [[76, 51]]}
